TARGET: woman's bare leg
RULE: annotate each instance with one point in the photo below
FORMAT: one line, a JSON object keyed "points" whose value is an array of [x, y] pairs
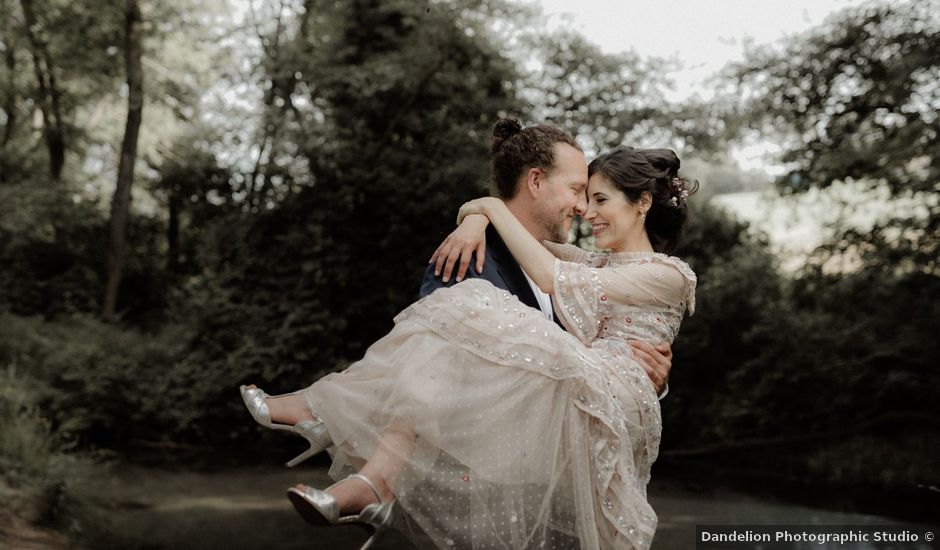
{"points": [[395, 445]]}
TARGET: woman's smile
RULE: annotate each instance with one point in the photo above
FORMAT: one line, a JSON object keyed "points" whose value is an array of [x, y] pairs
{"points": [[598, 228]]}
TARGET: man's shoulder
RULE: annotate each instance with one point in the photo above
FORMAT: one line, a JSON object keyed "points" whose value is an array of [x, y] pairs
{"points": [[493, 266], [432, 282]]}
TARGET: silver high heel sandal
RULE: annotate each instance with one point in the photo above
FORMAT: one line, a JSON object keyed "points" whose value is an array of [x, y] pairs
{"points": [[314, 431], [321, 509]]}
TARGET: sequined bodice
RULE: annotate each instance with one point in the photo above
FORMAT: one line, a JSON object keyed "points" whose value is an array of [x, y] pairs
{"points": [[622, 296], [654, 323]]}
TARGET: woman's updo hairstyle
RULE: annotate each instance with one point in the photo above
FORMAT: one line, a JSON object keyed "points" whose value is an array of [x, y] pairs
{"points": [[653, 171], [516, 149]]}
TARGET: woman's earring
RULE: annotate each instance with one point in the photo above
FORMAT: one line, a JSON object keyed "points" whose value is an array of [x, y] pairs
{"points": [[643, 214]]}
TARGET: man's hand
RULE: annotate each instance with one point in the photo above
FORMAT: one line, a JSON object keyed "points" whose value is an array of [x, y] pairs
{"points": [[657, 360]]}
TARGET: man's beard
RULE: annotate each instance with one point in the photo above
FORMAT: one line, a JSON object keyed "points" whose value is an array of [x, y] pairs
{"points": [[554, 226]]}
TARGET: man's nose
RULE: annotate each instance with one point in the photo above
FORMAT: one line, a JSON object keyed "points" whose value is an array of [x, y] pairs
{"points": [[581, 207]]}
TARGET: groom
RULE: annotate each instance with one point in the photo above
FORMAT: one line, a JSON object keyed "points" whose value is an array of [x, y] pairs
{"points": [[541, 175]]}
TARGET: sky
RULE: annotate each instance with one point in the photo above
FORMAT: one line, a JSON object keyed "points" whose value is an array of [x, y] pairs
{"points": [[703, 35]]}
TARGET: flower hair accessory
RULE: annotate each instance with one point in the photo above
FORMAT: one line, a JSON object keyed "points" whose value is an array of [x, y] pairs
{"points": [[679, 192]]}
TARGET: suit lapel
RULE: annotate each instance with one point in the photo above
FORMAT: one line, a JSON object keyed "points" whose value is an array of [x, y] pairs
{"points": [[509, 270], [555, 315], [511, 273]]}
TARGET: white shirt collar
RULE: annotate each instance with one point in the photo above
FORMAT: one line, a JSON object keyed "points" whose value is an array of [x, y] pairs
{"points": [[545, 302]]}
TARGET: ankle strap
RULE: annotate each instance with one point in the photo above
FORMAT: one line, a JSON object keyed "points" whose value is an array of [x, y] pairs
{"points": [[368, 482]]}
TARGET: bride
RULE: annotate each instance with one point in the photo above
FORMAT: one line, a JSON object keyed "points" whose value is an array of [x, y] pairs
{"points": [[489, 425]]}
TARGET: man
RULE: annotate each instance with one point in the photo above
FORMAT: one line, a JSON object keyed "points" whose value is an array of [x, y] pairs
{"points": [[541, 174]]}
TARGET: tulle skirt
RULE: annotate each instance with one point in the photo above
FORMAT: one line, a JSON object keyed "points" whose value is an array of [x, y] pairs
{"points": [[522, 436]]}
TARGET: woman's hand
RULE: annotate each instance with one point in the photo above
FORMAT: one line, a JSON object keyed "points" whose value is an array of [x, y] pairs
{"points": [[469, 237], [479, 206]]}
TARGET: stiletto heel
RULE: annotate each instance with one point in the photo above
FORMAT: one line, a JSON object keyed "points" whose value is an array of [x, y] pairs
{"points": [[380, 517], [320, 508], [311, 433], [314, 431]]}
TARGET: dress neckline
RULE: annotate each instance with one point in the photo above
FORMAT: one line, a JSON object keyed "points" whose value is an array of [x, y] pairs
{"points": [[616, 258]]}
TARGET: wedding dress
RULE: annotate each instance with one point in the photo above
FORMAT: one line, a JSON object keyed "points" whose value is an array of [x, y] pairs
{"points": [[526, 436]]}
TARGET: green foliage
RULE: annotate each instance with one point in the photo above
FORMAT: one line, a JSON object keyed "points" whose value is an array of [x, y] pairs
{"points": [[878, 326], [33, 466], [57, 270], [397, 103], [196, 192], [825, 361], [854, 98], [98, 384], [848, 355], [606, 100], [75, 46], [29, 447], [739, 288], [47, 271]]}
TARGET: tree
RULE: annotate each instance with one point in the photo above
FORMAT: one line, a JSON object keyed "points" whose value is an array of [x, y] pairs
{"points": [[841, 359], [853, 98], [607, 100], [50, 95], [857, 99], [120, 205], [65, 47], [9, 88], [196, 191]]}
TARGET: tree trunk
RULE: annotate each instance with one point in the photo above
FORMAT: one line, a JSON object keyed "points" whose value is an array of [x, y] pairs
{"points": [[120, 204], [173, 231], [9, 108], [49, 93]]}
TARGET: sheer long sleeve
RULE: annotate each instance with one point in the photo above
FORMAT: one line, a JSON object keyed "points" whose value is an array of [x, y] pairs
{"points": [[584, 294], [571, 253]]}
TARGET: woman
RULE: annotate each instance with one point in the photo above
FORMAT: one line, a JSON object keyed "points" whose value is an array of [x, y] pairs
{"points": [[488, 424]]}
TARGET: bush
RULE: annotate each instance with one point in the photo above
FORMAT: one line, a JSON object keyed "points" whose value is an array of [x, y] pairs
{"points": [[793, 372], [30, 449], [33, 467], [100, 384], [55, 269]]}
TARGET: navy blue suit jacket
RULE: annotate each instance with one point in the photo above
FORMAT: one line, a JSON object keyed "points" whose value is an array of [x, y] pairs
{"points": [[499, 268]]}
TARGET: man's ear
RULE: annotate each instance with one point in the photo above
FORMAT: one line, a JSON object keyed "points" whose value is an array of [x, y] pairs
{"points": [[534, 178]]}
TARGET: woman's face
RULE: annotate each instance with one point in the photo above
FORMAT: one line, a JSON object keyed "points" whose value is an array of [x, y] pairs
{"points": [[616, 220]]}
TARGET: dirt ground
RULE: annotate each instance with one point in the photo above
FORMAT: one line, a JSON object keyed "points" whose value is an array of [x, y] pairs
{"points": [[148, 509], [19, 533], [137, 508]]}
